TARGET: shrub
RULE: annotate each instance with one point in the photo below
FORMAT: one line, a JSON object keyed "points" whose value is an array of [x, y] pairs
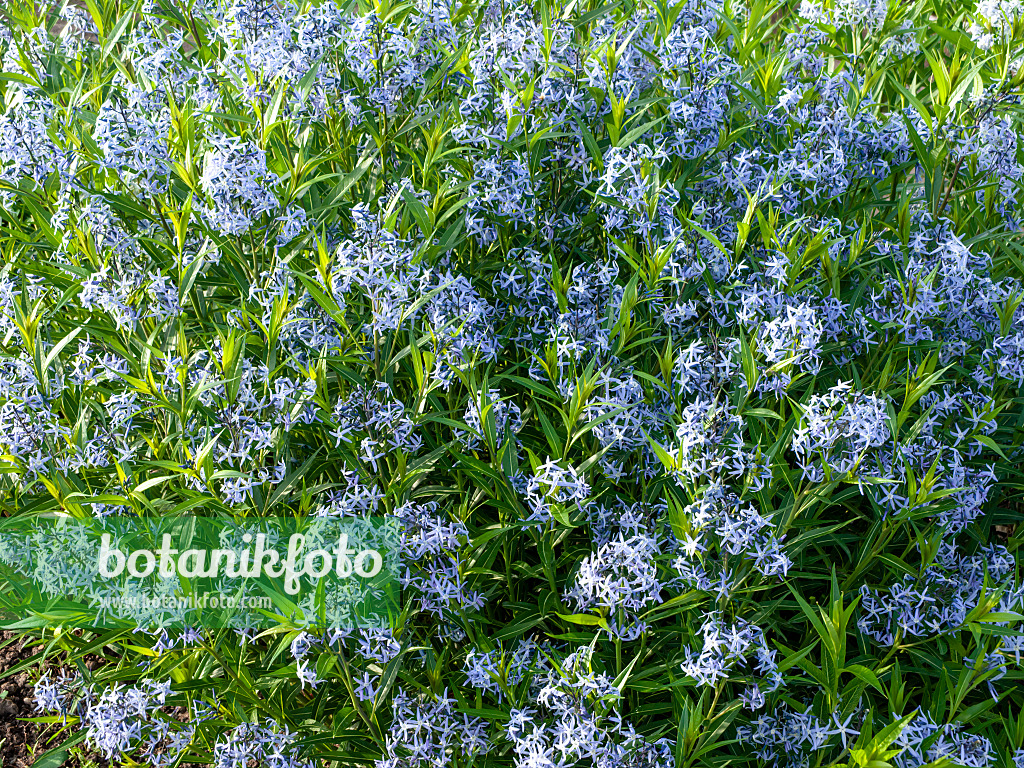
{"points": [[683, 339]]}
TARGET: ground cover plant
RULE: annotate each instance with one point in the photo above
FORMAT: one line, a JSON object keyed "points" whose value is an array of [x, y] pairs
{"points": [[685, 340]]}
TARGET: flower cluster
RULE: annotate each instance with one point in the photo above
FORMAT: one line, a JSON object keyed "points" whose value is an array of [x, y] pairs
{"points": [[120, 719]]}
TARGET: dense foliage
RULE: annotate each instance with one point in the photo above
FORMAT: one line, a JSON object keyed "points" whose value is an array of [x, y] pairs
{"points": [[685, 340]]}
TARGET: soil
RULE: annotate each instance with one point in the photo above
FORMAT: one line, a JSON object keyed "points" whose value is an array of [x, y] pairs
{"points": [[21, 742], [16, 701]]}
